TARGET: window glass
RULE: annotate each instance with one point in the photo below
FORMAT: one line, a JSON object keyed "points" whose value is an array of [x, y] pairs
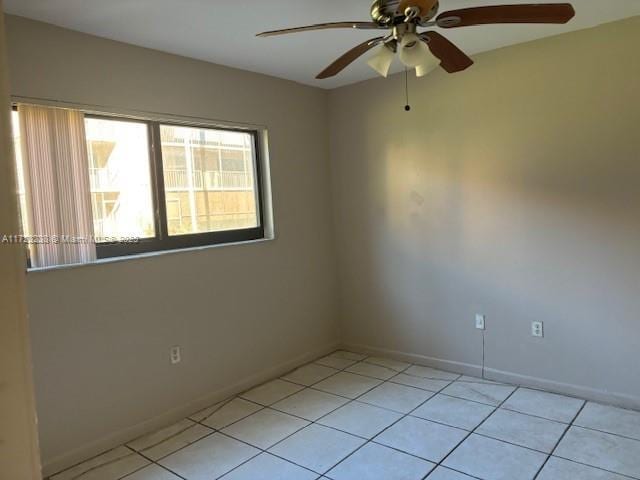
{"points": [[20, 180], [120, 178], [22, 198], [209, 180]]}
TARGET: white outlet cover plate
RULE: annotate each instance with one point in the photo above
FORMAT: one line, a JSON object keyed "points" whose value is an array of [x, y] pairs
{"points": [[537, 329], [176, 356]]}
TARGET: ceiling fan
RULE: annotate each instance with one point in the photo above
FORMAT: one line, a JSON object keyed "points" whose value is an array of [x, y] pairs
{"points": [[425, 50]]}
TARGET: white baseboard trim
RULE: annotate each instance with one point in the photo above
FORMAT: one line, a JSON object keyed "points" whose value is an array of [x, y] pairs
{"points": [[449, 365], [115, 439], [587, 393]]}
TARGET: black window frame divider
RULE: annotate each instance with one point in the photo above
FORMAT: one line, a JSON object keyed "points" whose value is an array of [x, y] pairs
{"points": [[162, 240]]}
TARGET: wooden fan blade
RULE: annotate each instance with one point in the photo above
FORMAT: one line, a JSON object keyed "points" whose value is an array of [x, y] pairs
{"points": [[424, 5], [322, 26], [452, 59], [345, 60], [525, 13]]}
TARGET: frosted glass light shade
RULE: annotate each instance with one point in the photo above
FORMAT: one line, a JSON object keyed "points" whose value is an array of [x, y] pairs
{"points": [[413, 51], [381, 61], [429, 66]]}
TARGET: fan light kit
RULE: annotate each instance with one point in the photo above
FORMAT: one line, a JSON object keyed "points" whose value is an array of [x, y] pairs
{"points": [[424, 51]]}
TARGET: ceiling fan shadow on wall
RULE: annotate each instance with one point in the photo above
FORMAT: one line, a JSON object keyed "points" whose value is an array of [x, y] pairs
{"points": [[426, 50]]}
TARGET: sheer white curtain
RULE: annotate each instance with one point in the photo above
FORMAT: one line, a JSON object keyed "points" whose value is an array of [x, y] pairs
{"points": [[56, 170]]}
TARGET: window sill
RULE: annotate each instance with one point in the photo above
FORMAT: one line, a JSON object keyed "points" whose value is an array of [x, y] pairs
{"points": [[142, 256]]}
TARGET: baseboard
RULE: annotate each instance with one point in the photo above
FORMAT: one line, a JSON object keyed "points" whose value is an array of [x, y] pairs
{"points": [[115, 439], [449, 365], [601, 396], [587, 393]]}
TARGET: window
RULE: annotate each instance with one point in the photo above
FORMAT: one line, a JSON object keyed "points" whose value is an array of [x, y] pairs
{"points": [[208, 180], [120, 178], [169, 186]]}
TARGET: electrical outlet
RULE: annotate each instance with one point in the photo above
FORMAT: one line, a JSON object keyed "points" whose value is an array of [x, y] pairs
{"points": [[176, 356], [480, 324], [537, 329]]}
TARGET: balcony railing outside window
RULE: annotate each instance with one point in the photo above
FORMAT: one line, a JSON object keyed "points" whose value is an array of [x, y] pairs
{"points": [[178, 180], [101, 180]]}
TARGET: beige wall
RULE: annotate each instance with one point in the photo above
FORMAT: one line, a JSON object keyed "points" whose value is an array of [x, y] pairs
{"points": [[101, 334], [512, 190], [19, 458]]}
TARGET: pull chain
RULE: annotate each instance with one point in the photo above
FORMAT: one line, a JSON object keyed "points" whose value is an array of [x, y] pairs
{"points": [[407, 107]]}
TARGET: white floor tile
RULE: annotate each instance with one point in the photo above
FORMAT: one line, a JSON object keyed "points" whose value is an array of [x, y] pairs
{"points": [[419, 382], [168, 440], [388, 363], [310, 404], [443, 473], [310, 374], [370, 370], [209, 458], [152, 472], [265, 428], [317, 448], [376, 462], [360, 419], [479, 392], [428, 372], [340, 359], [516, 430], [230, 412], [602, 450], [472, 379], [271, 392], [494, 460], [422, 438], [610, 419], [524, 430], [399, 398], [347, 384], [349, 355], [202, 414], [111, 465], [267, 467], [543, 404], [559, 469], [335, 362], [153, 439], [455, 412]]}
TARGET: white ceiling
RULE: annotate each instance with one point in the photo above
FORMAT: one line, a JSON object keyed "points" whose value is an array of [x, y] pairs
{"points": [[223, 31]]}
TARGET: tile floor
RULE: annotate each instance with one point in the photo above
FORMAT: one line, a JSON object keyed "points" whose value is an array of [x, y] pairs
{"points": [[351, 417]]}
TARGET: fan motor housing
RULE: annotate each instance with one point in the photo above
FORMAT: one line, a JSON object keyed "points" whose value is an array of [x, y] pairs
{"points": [[387, 13]]}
